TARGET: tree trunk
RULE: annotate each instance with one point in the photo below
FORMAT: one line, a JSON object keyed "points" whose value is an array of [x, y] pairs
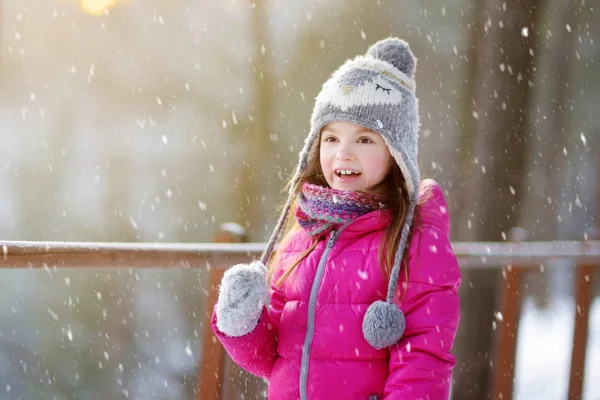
{"points": [[562, 56], [494, 189], [551, 182], [255, 134]]}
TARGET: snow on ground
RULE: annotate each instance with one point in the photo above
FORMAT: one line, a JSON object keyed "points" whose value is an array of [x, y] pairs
{"points": [[544, 351]]}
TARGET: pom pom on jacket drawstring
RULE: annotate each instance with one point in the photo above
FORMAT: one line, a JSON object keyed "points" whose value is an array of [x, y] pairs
{"points": [[383, 324]]}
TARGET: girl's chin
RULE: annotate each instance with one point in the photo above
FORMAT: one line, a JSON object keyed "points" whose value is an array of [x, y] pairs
{"points": [[351, 186]]}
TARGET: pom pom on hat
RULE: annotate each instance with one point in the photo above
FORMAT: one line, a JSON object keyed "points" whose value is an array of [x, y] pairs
{"points": [[396, 52]]}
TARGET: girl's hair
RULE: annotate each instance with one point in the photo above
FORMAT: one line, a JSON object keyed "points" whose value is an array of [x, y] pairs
{"points": [[393, 188]]}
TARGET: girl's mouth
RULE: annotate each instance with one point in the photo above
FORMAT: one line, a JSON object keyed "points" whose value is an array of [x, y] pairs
{"points": [[346, 173]]}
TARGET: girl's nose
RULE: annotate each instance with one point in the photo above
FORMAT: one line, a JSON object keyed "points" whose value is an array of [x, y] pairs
{"points": [[344, 155]]}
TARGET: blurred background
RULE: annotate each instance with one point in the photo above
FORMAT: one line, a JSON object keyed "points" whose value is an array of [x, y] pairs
{"points": [[154, 121]]}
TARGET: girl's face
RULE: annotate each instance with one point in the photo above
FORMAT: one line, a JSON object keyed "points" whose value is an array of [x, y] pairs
{"points": [[353, 157]]}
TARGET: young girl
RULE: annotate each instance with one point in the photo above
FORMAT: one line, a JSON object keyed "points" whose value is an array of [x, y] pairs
{"points": [[363, 289]]}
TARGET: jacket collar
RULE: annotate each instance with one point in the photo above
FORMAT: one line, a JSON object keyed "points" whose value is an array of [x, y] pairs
{"points": [[374, 221]]}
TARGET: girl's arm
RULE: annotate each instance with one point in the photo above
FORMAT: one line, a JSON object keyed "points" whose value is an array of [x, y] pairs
{"points": [[256, 351], [421, 363]]}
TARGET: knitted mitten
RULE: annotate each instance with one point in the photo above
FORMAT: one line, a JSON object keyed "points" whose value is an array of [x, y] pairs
{"points": [[241, 298]]}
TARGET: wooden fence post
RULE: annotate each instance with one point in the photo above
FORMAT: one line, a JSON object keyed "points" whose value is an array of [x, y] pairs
{"points": [[220, 377], [508, 325], [583, 297], [213, 355]]}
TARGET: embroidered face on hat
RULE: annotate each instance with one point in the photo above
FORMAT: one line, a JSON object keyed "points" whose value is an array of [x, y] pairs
{"points": [[363, 89]]}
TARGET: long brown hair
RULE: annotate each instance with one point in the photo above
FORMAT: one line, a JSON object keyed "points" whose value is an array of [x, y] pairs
{"points": [[393, 188]]}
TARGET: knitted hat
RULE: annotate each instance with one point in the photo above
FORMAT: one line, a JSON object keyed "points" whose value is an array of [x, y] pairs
{"points": [[376, 91]]}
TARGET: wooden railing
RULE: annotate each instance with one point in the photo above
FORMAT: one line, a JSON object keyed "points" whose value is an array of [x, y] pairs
{"points": [[514, 258]]}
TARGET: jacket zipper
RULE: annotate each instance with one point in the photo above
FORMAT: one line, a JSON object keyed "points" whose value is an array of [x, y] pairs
{"points": [[312, 306]]}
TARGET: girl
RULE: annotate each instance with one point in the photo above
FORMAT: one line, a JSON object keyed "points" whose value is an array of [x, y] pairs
{"points": [[343, 322]]}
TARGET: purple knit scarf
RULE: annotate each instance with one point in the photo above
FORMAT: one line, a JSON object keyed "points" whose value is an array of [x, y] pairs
{"points": [[321, 209]]}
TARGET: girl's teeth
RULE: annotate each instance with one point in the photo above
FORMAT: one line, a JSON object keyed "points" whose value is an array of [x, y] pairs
{"points": [[341, 173]]}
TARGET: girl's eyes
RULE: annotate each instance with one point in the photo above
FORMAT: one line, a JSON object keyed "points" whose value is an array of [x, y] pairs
{"points": [[362, 140]]}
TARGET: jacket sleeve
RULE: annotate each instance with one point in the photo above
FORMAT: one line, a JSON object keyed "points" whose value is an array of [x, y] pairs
{"points": [[421, 363], [256, 351]]}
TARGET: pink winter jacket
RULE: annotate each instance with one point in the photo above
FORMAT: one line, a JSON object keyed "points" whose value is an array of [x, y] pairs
{"points": [[340, 363]]}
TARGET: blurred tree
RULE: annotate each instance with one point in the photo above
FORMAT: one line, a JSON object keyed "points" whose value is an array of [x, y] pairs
{"points": [[554, 134], [501, 74], [255, 135], [556, 62]]}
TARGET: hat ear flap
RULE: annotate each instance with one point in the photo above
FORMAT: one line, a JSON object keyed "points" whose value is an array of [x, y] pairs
{"points": [[266, 255]]}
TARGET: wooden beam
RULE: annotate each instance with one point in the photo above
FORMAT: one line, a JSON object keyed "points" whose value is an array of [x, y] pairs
{"points": [[133, 255], [487, 255]]}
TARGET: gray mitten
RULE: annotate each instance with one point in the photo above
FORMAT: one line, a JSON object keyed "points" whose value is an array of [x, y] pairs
{"points": [[241, 298]]}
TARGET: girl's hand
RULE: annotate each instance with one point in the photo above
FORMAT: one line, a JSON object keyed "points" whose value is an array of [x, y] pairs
{"points": [[241, 298]]}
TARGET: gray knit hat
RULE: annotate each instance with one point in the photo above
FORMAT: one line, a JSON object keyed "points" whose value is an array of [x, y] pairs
{"points": [[376, 91]]}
